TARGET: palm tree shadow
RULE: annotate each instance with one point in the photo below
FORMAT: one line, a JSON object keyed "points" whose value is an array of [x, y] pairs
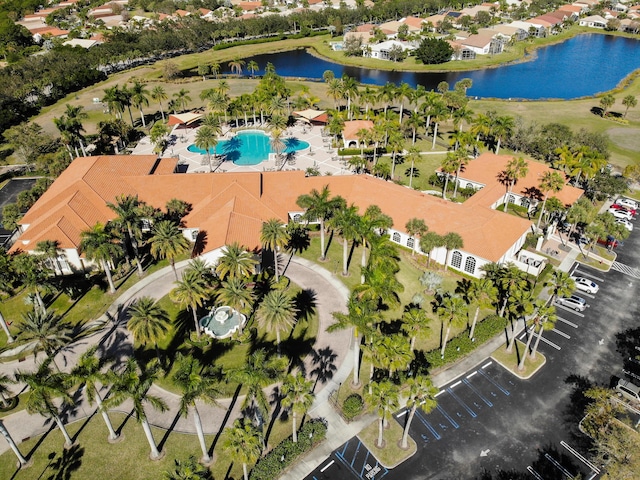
{"points": [[276, 398], [180, 330], [67, 463], [325, 368], [42, 438], [165, 437], [305, 303], [124, 422], [234, 399]]}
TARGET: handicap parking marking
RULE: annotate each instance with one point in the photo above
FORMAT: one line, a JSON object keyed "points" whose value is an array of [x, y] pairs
{"points": [[564, 320], [447, 416], [561, 333], [420, 416], [477, 392], [461, 402], [496, 384], [358, 463]]}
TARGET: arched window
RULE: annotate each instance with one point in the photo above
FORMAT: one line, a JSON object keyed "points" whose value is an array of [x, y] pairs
{"points": [[525, 202], [470, 185], [410, 242], [512, 199], [470, 265], [456, 260], [297, 218], [396, 237]]}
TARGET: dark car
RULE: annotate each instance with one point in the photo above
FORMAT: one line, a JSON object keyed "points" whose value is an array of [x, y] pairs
{"points": [[610, 242]]}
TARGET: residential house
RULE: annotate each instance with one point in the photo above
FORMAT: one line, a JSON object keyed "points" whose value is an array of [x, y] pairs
{"points": [[460, 52], [350, 132], [382, 51], [593, 21], [483, 43], [506, 30], [533, 28]]}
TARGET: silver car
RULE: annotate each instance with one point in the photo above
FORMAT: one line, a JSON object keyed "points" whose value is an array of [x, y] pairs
{"points": [[573, 302]]}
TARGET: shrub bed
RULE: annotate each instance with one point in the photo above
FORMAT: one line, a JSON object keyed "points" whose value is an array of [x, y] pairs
{"points": [[352, 406], [285, 453]]}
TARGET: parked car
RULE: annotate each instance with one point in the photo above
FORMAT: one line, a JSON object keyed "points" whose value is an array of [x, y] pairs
{"points": [[626, 223], [586, 285], [574, 302], [623, 208], [627, 202], [628, 390], [620, 214], [610, 242]]}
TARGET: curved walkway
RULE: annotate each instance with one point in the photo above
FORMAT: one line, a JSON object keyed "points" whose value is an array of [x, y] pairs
{"points": [[330, 295]]}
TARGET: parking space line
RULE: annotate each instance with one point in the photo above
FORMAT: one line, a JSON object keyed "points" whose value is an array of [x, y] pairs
{"points": [[571, 324], [455, 384], [327, 466], [439, 393], [355, 455], [550, 343], [502, 389], [590, 275], [475, 390], [447, 416], [558, 466], [487, 364], [402, 414], [569, 310], [471, 374], [424, 421], [464, 405], [534, 473], [562, 334], [585, 294], [580, 457], [364, 464]]}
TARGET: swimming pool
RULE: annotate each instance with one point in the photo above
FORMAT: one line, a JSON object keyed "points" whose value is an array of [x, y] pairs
{"points": [[250, 147]]}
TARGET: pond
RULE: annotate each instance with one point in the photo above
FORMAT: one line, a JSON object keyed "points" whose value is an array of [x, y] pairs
{"points": [[581, 66]]}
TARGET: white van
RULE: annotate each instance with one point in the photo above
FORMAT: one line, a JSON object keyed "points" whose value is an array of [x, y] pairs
{"points": [[628, 390]]}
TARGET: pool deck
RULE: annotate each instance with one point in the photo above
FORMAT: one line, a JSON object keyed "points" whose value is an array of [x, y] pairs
{"points": [[319, 154]]}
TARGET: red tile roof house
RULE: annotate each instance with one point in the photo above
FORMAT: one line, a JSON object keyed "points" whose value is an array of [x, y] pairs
{"points": [[231, 207], [350, 132]]}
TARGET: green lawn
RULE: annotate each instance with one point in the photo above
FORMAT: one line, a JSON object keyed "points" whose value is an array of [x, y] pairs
{"points": [[94, 457]]}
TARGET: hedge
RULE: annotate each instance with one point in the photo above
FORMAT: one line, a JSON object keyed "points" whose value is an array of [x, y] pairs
{"points": [[285, 453], [352, 406]]}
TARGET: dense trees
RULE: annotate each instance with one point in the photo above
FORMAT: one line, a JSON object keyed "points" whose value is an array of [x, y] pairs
{"points": [[432, 50]]}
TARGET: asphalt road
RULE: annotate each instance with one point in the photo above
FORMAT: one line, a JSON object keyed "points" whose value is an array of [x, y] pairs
{"points": [[491, 425], [9, 194]]}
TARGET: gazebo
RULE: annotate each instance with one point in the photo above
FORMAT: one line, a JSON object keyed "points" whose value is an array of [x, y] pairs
{"points": [[314, 117]]}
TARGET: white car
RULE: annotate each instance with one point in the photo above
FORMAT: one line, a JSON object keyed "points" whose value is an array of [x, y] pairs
{"points": [[586, 285], [620, 214], [626, 202], [574, 302], [627, 224]]}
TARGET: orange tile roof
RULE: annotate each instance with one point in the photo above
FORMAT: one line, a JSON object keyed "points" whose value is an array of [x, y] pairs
{"points": [[230, 207], [351, 128]]}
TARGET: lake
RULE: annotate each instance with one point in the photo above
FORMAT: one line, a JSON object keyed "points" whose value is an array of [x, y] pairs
{"points": [[581, 66]]}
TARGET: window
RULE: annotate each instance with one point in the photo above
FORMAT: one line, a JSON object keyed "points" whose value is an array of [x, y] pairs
{"points": [[194, 235], [470, 265], [525, 202], [410, 242], [470, 185], [456, 260], [297, 218], [396, 237], [512, 199]]}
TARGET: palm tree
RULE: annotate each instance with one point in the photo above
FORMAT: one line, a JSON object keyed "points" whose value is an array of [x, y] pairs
{"points": [[521, 305], [235, 262], [448, 166], [274, 236], [140, 98], [413, 155], [168, 242], [236, 65], [452, 241], [235, 293], [88, 372], [158, 94], [181, 99], [98, 245], [197, 382], [481, 126], [384, 397], [5, 433], [297, 396], [380, 286], [188, 469], [484, 294], [606, 102], [113, 99], [133, 384], [560, 284], [190, 292], [346, 222], [206, 139], [320, 207], [428, 242], [502, 127], [549, 182], [148, 322], [129, 218], [361, 317], [277, 312], [243, 443], [45, 386], [416, 228], [253, 67], [396, 353], [256, 373], [545, 319], [517, 168], [47, 330], [438, 113], [452, 312], [415, 322], [33, 275], [422, 394], [51, 249], [370, 225], [629, 102], [5, 393]]}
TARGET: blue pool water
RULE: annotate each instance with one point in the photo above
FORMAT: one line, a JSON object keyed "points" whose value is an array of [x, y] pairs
{"points": [[250, 147]]}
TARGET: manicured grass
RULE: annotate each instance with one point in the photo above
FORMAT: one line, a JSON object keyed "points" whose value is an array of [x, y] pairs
{"points": [[390, 455], [511, 360], [94, 457]]}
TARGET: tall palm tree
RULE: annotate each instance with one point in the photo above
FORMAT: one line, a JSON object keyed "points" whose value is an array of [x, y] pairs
{"points": [[452, 241], [197, 382], [545, 319], [133, 384], [129, 219], [113, 99], [45, 386], [560, 284], [629, 102], [274, 236], [384, 397], [416, 228], [158, 94], [422, 394], [98, 245], [167, 241], [413, 156], [277, 312], [236, 262], [12, 444], [452, 312], [396, 353], [320, 207], [243, 443], [253, 67], [502, 127], [297, 396], [517, 168], [550, 182], [181, 99], [235, 293], [346, 222], [66, 136], [521, 305], [191, 292], [415, 322], [33, 275], [140, 98], [51, 249], [207, 139], [438, 113], [361, 317], [380, 286], [74, 116], [236, 65], [47, 330], [483, 292], [371, 224], [88, 372], [148, 322]]}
